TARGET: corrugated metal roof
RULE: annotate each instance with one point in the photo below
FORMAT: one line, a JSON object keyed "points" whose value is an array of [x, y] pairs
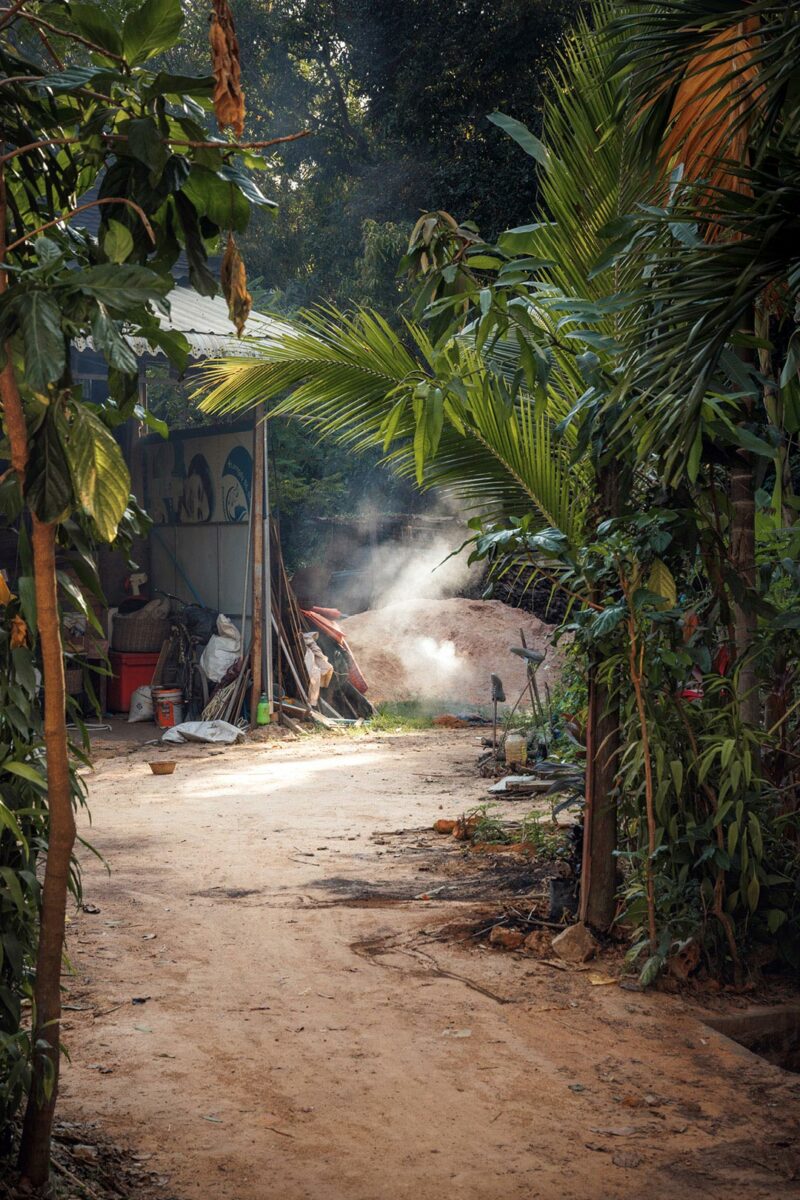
{"points": [[205, 322], [206, 325]]}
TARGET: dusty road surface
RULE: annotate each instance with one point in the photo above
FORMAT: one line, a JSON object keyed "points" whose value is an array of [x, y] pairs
{"points": [[311, 1030]]}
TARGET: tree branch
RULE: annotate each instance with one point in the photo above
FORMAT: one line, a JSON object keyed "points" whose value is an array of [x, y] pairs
{"points": [[123, 137], [65, 33], [82, 208], [4, 158], [10, 13]]}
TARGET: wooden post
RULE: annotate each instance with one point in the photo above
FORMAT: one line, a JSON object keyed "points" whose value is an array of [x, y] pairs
{"points": [[267, 576], [257, 501]]}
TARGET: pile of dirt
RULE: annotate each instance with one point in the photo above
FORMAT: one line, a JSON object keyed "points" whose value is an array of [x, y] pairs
{"points": [[443, 651]]}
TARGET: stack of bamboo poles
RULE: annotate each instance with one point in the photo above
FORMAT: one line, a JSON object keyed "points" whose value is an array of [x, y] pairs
{"points": [[274, 665]]}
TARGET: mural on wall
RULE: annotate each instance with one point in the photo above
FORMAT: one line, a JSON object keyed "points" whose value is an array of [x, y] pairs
{"points": [[199, 479]]}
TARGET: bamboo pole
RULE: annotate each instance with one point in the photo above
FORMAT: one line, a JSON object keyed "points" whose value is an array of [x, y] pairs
{"points": [[258, 561]]}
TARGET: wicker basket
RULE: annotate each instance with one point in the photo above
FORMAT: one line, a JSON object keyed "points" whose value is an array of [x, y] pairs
{"points": [[74, 680], [135, 634]]}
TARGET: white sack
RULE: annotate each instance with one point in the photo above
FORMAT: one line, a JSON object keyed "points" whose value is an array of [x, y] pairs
{"points": [[142, 708], [221, 732], [320, 669], [222, 650]]}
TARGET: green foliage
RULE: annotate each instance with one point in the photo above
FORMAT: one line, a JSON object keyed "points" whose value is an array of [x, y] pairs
{"points": [[526, 363], [105, 131]]}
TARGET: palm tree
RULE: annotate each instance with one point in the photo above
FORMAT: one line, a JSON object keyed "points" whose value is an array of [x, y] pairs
{"points": [[713, 87], [455, 413]]}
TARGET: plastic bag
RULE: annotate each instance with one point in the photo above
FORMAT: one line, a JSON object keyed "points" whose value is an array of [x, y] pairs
{"points": [[222, 651], [221, 732], [320, 669], [142, 708]]}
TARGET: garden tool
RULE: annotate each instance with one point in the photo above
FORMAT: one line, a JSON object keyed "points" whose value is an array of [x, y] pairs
{"points": [[498, 697], [532, 659]]}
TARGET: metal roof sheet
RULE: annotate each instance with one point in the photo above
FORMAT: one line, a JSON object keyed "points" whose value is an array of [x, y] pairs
{"points": [[205, 323]]}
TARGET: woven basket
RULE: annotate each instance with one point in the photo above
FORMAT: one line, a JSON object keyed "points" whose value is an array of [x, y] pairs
{"points": [[74, 680], [133, 634]]}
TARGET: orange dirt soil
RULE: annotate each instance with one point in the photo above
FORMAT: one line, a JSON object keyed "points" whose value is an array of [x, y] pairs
{"points": [[445, 650], [307, 1037]]}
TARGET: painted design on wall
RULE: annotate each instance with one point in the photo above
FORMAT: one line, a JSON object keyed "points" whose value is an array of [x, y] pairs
{"points": [[199, 479]]}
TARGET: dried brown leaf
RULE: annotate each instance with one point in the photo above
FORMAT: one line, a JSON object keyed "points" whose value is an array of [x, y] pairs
{"points": [[228, 95], [715, 105], [19, 633], [233, 278]]}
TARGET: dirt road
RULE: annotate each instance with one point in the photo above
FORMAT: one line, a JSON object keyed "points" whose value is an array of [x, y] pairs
{"points": [[307, 1035]]}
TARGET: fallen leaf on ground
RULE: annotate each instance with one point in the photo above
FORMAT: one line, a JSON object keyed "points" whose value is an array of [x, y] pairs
{"points": [[602, 980]]}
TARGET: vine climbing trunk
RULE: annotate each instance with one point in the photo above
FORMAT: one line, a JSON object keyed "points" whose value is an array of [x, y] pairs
{"points": [[34, 1159], [599, 868]]}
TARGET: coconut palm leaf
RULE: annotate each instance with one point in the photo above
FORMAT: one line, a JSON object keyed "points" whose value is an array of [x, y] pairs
{"points": [[352, 379], [714, 87]]}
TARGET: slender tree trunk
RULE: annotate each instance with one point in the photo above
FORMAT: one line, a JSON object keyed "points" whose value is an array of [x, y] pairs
{"points": [[34, 1159], [743, 560], [599, 868]]}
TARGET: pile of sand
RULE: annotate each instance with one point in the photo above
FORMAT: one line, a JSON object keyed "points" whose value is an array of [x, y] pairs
{"points": [[443, 651]]}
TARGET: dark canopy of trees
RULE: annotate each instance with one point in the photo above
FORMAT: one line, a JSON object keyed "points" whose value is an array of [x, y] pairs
{"points": [[397, 93]]}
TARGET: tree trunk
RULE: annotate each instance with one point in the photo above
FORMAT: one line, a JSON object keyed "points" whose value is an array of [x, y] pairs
{"points": [[599, 868], [34, 1158], [743, 560]]}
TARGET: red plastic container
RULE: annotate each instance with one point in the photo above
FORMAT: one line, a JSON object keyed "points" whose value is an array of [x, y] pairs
{"points": [[130, 671]]}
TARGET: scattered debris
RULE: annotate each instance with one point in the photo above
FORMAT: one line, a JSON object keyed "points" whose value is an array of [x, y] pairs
{"points": [[684, 961], [508, 939]]}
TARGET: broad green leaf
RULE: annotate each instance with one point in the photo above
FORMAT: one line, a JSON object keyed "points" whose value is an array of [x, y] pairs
{"points": [[98, 26], [756, 840], [775, 918], [651, 970], [48, 487], [200, 276], [119, 287], [753, 893], [144, 142], [9, 821], [250, 190], [25, 771], [11, 881], [45, 347], [522, 136], [151, 28], [99, 474], [70, 78], [117, 241], [218, 198], [661, 581], [167, 84], [109, 341]]}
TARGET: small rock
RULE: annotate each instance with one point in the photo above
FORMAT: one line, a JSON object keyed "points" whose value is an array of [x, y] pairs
{"points": [[538, 942], [576, 944], [507, 939], [85, 1154]]}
